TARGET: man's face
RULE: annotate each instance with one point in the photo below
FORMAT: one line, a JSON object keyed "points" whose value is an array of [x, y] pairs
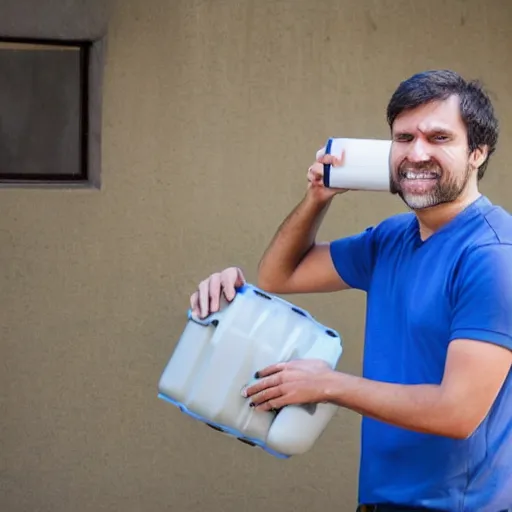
{"points": [[429, 158]]}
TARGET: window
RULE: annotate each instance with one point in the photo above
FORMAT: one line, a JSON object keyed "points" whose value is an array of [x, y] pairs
{"points": [[45, 112]]}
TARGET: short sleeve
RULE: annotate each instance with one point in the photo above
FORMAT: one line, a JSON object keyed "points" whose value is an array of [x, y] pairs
{"points": [[353, 258], [482, 296]]}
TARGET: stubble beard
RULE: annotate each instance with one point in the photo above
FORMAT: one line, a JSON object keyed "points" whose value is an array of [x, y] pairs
{"points": [[443, 192]]}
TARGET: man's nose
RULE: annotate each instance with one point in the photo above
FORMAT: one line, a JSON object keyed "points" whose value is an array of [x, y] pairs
{"points": [[418, 152]]}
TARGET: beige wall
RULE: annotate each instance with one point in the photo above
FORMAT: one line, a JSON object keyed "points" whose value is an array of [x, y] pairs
{"points": [[213, 112]]}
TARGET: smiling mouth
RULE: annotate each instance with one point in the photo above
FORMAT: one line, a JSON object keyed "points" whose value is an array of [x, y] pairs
{"points": [[422, 175]]}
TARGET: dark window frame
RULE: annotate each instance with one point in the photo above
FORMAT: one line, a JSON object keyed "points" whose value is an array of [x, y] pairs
{"points": [[89, 175]]}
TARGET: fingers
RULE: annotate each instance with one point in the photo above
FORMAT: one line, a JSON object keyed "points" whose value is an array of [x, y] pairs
{"points": [[277, 390], [240, 279], [230, 279], [275, 398], [228, 287], [265, 396], [194, 304], [206, 299], [331, 159], [340, 160], [214, 292], [320, 154], [261, 386], [264, 393], [316, 170], [273, 405], [270, 370]]}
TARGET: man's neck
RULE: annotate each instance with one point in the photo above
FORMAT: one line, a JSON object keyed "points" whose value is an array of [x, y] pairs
{"points": [[432, 219]]}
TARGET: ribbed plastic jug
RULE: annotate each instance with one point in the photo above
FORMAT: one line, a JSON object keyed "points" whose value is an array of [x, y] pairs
{"points": [[217, 356]]}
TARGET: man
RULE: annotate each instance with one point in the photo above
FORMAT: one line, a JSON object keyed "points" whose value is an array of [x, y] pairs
{"points": [[436, 391]]}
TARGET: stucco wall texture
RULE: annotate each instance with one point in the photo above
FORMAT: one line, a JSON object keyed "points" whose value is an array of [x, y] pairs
{"points": [[213, 111]]}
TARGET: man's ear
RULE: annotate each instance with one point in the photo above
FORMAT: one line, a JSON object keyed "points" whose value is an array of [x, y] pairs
{"points": [[478, 156]]}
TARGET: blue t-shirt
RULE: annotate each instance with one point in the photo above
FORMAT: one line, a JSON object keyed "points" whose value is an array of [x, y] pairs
{"points": [[420, 296]]}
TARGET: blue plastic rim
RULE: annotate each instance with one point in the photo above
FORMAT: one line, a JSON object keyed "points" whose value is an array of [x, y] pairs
{"points": [[223, 428], [327, 167]]}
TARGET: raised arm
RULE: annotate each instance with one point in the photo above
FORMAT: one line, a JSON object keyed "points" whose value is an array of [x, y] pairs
{"points": [[295, 262]]}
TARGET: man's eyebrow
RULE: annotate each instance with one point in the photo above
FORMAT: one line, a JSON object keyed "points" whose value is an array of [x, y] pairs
{"points": [[428, 131], [437, 129]]}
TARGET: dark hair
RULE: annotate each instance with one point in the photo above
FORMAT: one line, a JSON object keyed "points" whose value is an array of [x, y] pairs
{"points": [[475, 105]]}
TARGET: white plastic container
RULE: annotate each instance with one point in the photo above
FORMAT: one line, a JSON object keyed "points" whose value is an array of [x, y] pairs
{"points": [[217, 356], [365, 166]]}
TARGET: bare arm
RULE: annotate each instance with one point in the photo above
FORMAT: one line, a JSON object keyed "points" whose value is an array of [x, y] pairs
{"points": [[474, 374], [294, 262]]}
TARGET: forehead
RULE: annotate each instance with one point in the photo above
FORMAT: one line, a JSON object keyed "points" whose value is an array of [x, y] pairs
{"points": [[434, 116]]}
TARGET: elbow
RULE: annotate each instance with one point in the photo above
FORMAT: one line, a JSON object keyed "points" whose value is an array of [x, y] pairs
{"points": [[268, 285], [460, 434], [461, 429], [262, 282]]}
